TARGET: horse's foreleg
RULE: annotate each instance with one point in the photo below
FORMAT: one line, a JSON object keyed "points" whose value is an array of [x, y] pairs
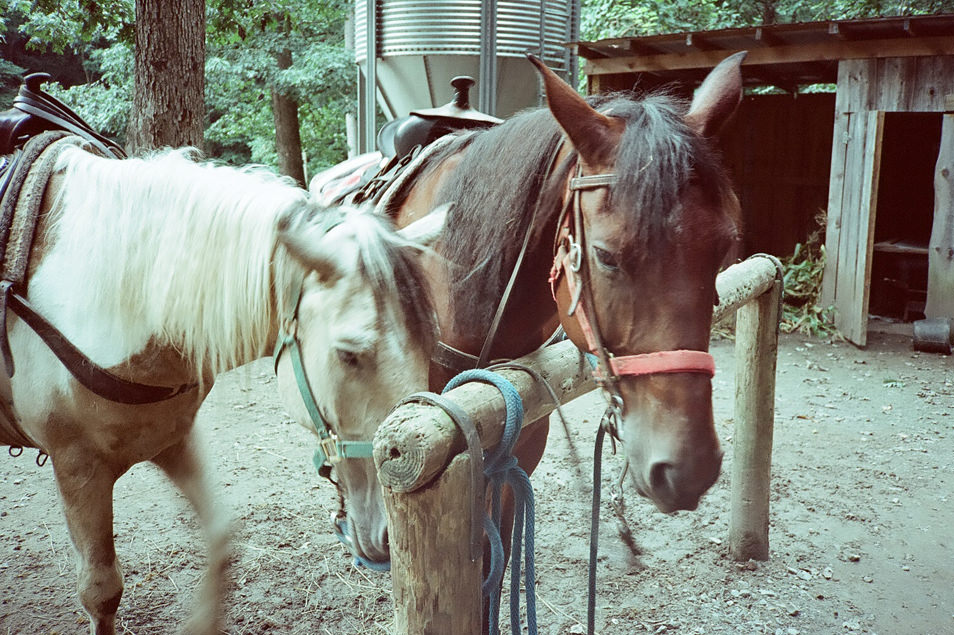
{"points": [[182, 464], [86, 487]]}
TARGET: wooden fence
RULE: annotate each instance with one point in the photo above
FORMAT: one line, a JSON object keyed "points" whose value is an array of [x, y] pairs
{"points": [[426, 477]]}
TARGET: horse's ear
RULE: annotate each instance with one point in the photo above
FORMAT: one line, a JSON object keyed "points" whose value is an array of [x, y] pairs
{"points": [[718, 97], [427, 230], [303, 242], [594, 135]]}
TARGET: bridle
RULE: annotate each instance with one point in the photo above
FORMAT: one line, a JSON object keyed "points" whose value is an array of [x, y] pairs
{"points": [[570, 260], [331, 449]]}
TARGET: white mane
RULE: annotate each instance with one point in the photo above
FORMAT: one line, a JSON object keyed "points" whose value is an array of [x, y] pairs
{"points": [[169, 249]]}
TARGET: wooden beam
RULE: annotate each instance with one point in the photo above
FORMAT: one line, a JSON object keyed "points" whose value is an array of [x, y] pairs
{"points": [[792, 53], [699, 42], [766, 37], [940, 285], [436, 585], [588, 52], [756, 352]]}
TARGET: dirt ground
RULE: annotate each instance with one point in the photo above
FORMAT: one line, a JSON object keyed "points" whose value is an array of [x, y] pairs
{"points": [[862, 526]]}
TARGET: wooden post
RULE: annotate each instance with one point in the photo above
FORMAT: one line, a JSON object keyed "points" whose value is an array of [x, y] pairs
{"points": [[436, 585], [756, 348], [940, 286]]}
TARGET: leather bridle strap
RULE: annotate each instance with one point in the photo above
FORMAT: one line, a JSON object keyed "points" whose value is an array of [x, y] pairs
{"points": [[609, 367], [484, 358]]}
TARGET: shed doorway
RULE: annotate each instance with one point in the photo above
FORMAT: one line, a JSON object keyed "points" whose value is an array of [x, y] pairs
{"points": [[905, 212]]}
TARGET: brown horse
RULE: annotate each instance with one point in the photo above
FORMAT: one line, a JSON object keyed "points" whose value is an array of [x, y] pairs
{"points": [[166, 271], [623, 206]]}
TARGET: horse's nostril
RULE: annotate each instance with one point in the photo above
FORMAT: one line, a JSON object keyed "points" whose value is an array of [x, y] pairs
{"points": [[660, 475]]}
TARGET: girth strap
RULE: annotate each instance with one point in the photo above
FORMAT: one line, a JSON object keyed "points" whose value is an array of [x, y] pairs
{"points": [[86, 371]]}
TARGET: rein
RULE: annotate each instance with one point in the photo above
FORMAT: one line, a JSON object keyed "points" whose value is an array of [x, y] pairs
{"points": [[571, 260]]}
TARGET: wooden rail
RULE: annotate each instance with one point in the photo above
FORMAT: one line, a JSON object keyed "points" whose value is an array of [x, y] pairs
{"points": [[417, 450]]}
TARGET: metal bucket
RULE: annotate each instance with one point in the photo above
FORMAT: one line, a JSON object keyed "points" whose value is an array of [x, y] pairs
{"points": [[934, 335]]}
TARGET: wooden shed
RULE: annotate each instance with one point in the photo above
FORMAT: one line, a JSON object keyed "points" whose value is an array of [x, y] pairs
{"points": [[877, 153]]}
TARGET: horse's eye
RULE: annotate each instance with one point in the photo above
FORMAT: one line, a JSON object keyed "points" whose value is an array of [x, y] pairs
{"points": [[349, 358], [606, 259]]}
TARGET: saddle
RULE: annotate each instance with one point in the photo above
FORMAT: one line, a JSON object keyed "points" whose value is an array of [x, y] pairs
{"points": [[399, 137], [401, 142], [35, 111]]}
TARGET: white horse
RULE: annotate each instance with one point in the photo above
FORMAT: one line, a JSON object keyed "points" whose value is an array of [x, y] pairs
{"points": [[166, 271]]}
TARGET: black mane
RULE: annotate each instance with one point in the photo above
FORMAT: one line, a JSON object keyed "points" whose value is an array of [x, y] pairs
{"points": [[501, 175]]}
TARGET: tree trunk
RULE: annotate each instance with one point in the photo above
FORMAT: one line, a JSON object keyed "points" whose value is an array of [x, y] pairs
{"points": [[287, 135], [169, 87]]}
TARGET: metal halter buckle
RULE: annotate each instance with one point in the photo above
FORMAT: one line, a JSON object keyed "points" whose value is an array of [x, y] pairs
{"points": [[574, 255], [329, 447]]}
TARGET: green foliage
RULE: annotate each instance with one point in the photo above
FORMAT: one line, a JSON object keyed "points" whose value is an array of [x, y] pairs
{"points": [[803, 277], [623, 18], [65, 24], [802, 281], [105, 102], [245, 40]]}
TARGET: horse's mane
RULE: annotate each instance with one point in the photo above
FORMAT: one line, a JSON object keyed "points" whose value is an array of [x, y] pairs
{"points": [[392, 266], [494, 189], [501, 175], [168, 249]]}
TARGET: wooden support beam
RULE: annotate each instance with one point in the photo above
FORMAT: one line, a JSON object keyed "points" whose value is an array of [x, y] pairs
{"points": [[436, 586], [766, 37], [791, 53], [699, 42], [417, 441], [940, 285]]}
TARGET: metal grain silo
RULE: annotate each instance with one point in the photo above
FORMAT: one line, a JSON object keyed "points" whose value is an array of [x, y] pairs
{"points": [[408, 50]]}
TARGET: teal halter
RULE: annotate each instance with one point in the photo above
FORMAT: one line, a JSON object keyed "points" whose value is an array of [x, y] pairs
{"points": [[331, 450]]}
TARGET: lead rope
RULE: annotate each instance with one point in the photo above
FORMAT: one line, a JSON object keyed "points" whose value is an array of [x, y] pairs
{"points": [[606, 423], [500, 467]]}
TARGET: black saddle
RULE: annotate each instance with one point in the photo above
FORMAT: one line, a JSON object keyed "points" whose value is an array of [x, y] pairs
{"points": [[399, 137], [35, 111]]}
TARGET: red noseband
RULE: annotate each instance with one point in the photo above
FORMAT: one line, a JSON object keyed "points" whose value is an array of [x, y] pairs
{"points": [[680, 361]]}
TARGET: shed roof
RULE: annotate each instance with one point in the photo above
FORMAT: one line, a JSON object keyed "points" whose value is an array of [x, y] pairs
{"points": [[784, 55]]}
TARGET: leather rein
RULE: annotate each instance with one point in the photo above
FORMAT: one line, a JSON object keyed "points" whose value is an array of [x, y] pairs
{"points": [[570, 260]]}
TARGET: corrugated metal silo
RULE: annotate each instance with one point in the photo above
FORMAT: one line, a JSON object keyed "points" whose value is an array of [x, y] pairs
{"points": [[415, 47]]}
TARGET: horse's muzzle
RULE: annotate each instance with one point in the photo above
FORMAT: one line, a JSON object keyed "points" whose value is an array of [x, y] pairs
{"points": [[673, 487]]}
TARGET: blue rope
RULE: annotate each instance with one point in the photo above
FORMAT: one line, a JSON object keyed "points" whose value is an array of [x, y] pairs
{"points": [[500, 467]]}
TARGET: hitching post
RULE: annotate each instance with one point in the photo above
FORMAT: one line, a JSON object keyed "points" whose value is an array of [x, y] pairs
{"points": [[756, 352]]}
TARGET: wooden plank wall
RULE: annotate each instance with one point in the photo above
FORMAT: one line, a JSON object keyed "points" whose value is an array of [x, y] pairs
{"points": [[895, 84], [852, 207], [913, 84], [777, 150]]}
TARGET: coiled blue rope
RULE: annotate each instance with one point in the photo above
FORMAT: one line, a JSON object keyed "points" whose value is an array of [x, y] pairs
{"points": [[500, 467]]}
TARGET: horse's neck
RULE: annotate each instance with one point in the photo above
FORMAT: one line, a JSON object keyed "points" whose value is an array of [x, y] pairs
{"points": [[530, 317]]}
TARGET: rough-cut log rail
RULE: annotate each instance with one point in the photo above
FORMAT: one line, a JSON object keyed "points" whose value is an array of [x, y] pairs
{"points": [[417, 441]]}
